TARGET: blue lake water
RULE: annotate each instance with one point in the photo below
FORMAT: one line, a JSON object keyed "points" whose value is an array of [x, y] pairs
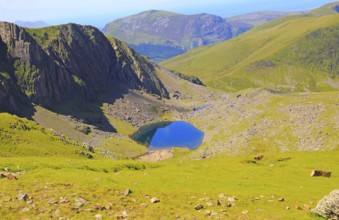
{"points": [[177, 134]]}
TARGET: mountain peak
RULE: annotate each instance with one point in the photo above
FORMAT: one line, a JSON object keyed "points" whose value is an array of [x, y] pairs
{"points": [[163, 34], [54, 64]]}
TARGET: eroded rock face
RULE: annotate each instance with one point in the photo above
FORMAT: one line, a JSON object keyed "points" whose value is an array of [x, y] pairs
{"points": [[11, 97], [328, 207], [56, 64]]}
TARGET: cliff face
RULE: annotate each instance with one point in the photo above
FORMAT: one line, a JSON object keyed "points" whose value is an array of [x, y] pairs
{"points": [[12, 99], [55, 64]]}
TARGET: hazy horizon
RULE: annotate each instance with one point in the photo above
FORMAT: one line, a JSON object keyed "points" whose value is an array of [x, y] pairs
{"points": [[101, 12]]}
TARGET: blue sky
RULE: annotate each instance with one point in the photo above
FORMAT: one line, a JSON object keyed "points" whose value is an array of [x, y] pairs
{"points": [[100, 12]]}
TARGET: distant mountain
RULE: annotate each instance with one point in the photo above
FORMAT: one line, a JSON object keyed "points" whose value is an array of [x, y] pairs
{"points": [[328, 9], [53, 65], [294, 53], [162, 34], [31, 24]]}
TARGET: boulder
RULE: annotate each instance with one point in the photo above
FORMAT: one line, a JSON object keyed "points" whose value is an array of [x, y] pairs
{"points": [[320, 173], [98, 216], [259, 157], [127, 192], [23, 197], [328, 207], [176, 95], [198, 207], [155, 200], [231, 199]]}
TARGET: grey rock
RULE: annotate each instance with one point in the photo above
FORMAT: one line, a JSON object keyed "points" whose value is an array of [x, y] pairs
{"points": [[25, 209], [127, 192], [198, 207], [155, 200], [281, 199], [125, 214], [328, 207], [98, 216], [213, 214], [320, 173], [222, 196], [209, 204], [79, 204], [23, 197], [63, 200], [231, 199], [30, 202], [229, 205]]}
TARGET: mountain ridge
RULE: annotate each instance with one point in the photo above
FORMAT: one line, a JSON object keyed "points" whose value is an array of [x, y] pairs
{"points": [[262, 57], [55, 64], [163, 34]]}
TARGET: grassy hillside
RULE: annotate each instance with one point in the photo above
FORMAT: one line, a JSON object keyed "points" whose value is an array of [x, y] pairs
{"points": [[276, 55], [86, 189], [331, 8], [22, 137], [257, 122], [258, 18]]}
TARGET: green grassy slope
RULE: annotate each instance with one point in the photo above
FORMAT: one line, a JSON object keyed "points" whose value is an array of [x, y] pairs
{"points": [[55, 186], [258, 18], [331, 8], [21, 137], [276, 55]]}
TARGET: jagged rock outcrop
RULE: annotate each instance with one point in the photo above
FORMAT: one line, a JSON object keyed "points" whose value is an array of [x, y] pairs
{"points": [[11, 97], [55, 64]]}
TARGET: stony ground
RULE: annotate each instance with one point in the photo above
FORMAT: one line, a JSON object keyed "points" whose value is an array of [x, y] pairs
{"points": [[259, 120]]}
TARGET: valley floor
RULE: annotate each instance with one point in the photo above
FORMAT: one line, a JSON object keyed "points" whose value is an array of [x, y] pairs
{"points": [[291, 134]]}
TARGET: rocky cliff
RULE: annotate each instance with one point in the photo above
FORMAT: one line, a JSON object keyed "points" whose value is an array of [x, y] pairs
{"points": [[56, 64]]}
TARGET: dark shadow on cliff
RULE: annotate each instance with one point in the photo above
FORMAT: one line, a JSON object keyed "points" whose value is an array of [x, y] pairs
{"points": [[91, 112], [12, 99]]}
